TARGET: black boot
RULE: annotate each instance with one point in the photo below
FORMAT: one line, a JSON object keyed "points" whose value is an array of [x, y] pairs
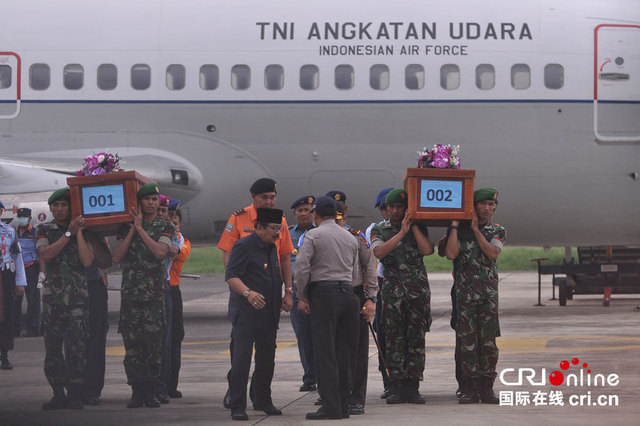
{"points": [[396, 393], [412, 393], [469, 393], [136, 400], [149, 395], [74, 397], [485, 389], [4, 358], [59, 400]]}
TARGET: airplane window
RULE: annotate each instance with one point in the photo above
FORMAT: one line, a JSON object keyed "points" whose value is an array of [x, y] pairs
{"points": [[176, 77], [344, 77], [485, 76], [309, 77], [39, 76], [240, 77], [73, 76], [379, 77], [450, 77], [274, 77], [520, 76], [107, 77], [209, 77], [140, 76], [414, 76], [5, 76], [553, 76]]}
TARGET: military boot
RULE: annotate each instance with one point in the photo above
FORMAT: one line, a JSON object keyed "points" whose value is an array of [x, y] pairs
{"points": [[470, 393], [136, 400], [485, 389], [74, 397], [149, 395], [412, 393], [396, 392], [59, 400], [4, 359]]}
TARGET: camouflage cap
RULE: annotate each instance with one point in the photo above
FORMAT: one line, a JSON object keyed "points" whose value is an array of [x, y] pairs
{"points": [[396, 196], [485, 194], [60, 194], [148, 189]]}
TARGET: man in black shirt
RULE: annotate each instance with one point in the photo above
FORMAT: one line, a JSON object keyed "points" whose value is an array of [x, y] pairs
{"points": [[253, 275]]}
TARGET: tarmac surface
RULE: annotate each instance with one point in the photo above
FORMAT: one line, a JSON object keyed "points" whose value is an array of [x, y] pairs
{"points": [[536, 339]]}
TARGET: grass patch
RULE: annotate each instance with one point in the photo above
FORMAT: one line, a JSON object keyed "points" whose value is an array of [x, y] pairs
{"points": [[208, 260]]}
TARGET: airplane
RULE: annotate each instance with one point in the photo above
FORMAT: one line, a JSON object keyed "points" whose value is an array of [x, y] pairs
{"points": [[206, 96]]}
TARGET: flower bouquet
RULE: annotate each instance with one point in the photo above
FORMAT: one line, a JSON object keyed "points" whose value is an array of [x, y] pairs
{"points": [[440, 157], [100, 164]]}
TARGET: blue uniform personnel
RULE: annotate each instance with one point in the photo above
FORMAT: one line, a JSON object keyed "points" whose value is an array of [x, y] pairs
{"points": [[27, 237]]}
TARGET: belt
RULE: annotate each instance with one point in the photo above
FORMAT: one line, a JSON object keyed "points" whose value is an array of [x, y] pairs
{"points": [[342, 285]]}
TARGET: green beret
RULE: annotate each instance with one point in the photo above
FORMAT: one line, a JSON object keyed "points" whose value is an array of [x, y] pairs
{"points": [[485, 194], [148, 189], [396, 196], [60, 194]]}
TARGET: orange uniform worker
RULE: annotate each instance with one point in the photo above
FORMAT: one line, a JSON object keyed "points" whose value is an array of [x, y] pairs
{"points": [[241, 224]]}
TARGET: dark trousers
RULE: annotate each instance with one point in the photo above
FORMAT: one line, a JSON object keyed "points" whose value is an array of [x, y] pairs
{"points": [[162, 386], [177, 335], [381, 339], [361, 371], [7, 327], [32, 294], [456, 354], [334, 327], [301, 324], [97, 342], [244, 335]]}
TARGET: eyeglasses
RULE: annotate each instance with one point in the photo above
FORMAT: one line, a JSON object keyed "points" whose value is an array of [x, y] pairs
{"points": [[275, 228]]}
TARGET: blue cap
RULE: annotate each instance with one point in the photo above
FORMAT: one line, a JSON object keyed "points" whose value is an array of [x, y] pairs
{"points": [[173, 203], [337, 195], [306, 199], [380, 198], [325, 206], [1, 205]]}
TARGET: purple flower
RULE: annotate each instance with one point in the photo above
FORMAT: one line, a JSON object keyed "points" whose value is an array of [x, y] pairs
{"points": [[440, 161], [98, 171]]}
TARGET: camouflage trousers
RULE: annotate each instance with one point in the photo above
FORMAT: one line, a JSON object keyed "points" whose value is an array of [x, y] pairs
{"points": [[476, 329], [65, 330], [405, 322], [142, 325]]}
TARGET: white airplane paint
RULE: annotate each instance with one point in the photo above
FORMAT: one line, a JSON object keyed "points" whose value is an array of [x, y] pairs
{"points": [[543, 98]]}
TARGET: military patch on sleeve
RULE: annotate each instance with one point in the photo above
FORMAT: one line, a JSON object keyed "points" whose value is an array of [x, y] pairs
{"points": [[239, 212], [229, 227]]}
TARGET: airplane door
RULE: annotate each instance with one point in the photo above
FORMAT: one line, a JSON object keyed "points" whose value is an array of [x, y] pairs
{"points": [[9, 85], [616, 98]]}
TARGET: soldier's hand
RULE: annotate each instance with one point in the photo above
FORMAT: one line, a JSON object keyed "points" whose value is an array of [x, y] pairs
{"points": [[455, 223], [303, 306], [287, 302], [20, 290], [76, 224], [406, 223], [137, 217], [256, 299], [368, 310], [474, 221]]}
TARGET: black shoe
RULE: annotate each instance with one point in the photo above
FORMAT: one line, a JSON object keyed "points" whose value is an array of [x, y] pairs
{"points": [[322, 414], [458, 393], [136, 400], [58, 402], [149, 396], [162, 397], [239, 414], [175, 394], [485, 391], [75, 403], [411, 392], [226, 401], [308, 387], [318, 401], [6, 365], [269, 410], [470, 393], [91, 400], [356, 409], [385, 393]]}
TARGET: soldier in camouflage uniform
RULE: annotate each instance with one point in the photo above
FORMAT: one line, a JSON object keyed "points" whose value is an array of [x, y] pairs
{"points": [[65, 246], [406, 299], [142, 309], [474, 249]]}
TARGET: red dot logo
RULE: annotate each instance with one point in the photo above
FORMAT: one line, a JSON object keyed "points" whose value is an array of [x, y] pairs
{"points": [[575, 361], [556, 378], [564, 365]]}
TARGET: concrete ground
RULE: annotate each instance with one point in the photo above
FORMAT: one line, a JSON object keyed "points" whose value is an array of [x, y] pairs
{"points": [[536, 339]]}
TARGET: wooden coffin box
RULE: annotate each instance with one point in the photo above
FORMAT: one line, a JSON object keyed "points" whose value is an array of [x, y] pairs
{"points": [[438, 196], [105, 200]]}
